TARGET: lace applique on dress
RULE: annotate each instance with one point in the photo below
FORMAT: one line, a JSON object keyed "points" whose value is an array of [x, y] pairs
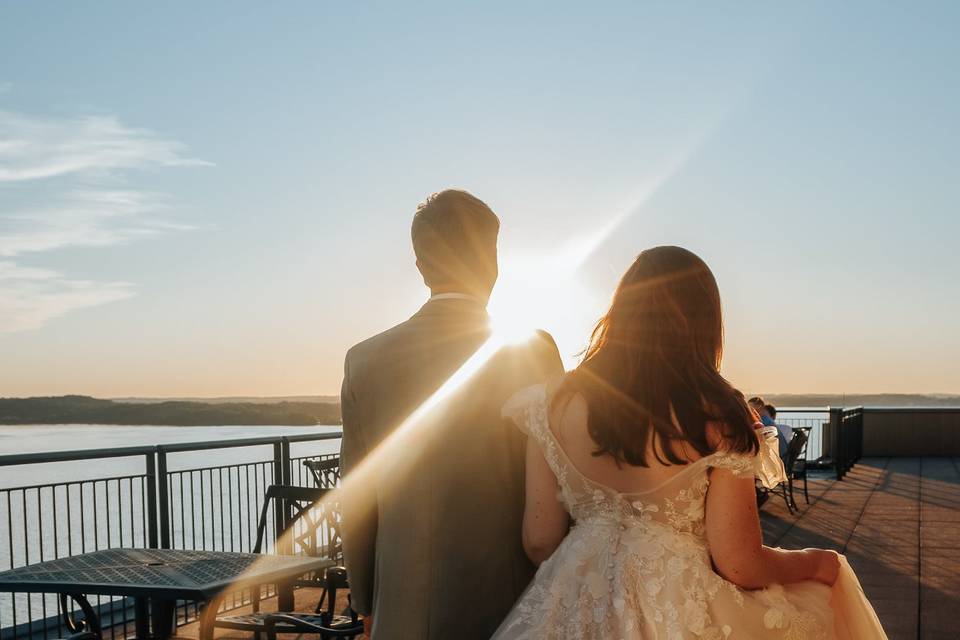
{"points": [[737, 463]]}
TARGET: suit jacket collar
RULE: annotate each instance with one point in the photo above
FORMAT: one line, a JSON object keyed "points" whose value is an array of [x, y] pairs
{"points": [[456, 305]]}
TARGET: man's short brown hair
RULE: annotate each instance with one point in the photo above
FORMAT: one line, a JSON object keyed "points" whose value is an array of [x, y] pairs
{"points": [[455, 239]]}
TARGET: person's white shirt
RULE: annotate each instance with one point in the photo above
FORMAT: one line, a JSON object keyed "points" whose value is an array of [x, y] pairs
{"points": [[458, 296]]}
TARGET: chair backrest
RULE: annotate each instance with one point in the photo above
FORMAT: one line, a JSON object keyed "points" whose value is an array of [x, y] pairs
{"points": [[325, 471], [796, 448], [303, 523]]}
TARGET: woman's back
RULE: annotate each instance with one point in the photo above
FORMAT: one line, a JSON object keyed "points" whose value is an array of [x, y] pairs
{"points": [[569, 424]]}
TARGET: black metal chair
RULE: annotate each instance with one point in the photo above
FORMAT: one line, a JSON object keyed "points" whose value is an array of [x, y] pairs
{"points": [[326, 623], [797, 470], [306, 526], [795, 467], [325, 471], [83, 635], [86, 628]]}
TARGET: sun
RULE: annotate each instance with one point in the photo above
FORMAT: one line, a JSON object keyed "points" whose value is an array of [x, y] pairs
{"points": [[539, 290]]}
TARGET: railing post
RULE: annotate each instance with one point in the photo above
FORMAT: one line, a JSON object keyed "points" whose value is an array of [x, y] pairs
{"points": [[279, 517], [860, 433], [163, 494], [836, 445], [151, 506], [285, 456]]}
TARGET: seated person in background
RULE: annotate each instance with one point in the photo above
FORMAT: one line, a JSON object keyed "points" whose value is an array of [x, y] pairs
{"points": [[784, 431], [763, 410]]}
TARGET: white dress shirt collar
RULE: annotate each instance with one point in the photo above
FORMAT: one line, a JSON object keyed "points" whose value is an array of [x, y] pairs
{"points": [[458, 296]]}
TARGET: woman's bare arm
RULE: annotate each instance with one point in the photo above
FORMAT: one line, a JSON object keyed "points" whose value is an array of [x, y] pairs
{"points": [[736, 542], [545, 521]]}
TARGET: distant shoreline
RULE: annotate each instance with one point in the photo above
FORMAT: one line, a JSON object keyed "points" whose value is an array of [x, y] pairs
{"points": [[861, 399], [312, 411], [172, 426], [73, 410]]}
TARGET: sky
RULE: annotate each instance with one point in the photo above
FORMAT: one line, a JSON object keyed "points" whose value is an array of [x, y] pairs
{"points": [[213, 199]]}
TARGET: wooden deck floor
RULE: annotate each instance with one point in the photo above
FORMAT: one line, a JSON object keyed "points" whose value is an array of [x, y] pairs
{"points": [[896, 519], [898, 522]]}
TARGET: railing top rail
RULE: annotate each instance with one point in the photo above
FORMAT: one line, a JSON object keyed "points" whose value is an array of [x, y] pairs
{"points": [[75, 455], [802, 410], [72, 456], [912, 409], [308, 437], [244, 442]]}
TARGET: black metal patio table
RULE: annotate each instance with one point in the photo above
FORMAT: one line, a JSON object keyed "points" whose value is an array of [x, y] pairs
{"points": [[157, 579]]}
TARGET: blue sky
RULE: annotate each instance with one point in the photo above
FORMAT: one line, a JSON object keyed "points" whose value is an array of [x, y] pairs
{"points": [[214, 199]]}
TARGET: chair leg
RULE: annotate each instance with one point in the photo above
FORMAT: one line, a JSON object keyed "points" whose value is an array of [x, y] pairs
{"points": [[208, 618], [323, 598], [786, 500], [255, 606], [805, 496]]}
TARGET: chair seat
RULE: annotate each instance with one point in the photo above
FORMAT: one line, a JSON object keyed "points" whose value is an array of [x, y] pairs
{"points": [[255, 621]]}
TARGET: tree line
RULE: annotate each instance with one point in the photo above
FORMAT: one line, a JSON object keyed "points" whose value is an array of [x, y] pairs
{"points": [[87, 410]]}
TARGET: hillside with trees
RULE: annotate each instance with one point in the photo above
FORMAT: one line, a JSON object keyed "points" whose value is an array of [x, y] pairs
{"points": [[87, 410]]}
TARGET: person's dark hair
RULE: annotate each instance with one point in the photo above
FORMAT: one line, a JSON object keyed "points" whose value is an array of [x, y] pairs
{"points": [[757, 402], [455, 239], [650, 375], [772, 410]]}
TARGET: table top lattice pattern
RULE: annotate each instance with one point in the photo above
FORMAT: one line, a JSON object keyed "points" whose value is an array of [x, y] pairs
{"points": [[161, 572]]}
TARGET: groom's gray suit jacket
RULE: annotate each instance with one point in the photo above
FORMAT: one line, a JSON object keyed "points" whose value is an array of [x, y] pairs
{"points": [[432, 526]]}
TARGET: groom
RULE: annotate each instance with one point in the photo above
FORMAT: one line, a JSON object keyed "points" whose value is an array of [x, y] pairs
{"points": [[432, 520]]}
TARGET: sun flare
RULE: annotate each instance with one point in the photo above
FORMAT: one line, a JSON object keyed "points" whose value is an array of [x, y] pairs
{"points": [[543, 291]]}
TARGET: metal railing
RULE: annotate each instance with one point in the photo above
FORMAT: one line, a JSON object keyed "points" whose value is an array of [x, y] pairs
{"points": [[835, 434], [810, 419], [212, 507], [846, 427]]}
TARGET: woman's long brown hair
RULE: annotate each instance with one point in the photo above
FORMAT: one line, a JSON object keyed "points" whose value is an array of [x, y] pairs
{"points": [[651, 375]]}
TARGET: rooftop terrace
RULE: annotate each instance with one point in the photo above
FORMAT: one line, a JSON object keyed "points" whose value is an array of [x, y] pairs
{"points": [[895, 513]]}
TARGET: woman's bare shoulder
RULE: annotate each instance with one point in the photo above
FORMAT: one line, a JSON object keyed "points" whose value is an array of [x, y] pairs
{"points": [[554, 384]]}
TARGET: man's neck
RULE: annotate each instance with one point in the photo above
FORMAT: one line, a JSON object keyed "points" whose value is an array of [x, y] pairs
{"points": [[452, 294]]}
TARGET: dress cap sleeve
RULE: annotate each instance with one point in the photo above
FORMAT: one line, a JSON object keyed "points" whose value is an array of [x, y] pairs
{"points": [[765, 466], [740, 464], [525, 409]]}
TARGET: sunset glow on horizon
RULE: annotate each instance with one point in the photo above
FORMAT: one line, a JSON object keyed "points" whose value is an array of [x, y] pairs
{"points": [[233, 233]]}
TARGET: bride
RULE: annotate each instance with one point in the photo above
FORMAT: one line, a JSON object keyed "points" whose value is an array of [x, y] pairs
{"points": [[641, 510]]}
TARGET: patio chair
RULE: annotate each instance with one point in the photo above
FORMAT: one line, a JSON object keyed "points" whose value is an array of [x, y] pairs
{"points": [[83, 635], [306, 529], [86, 628], [796, 468], [327, 623], [325, 471]]}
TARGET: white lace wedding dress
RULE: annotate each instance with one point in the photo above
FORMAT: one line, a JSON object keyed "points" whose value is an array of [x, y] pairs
{"points": [[638, 566]]}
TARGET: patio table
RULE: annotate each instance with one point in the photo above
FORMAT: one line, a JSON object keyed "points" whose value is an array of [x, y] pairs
{"points": [[157, 578]]}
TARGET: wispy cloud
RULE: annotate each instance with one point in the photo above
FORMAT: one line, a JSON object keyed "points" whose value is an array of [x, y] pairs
{"points": [[85, 218], [30, 297], [69, 169], [33, 148]]}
